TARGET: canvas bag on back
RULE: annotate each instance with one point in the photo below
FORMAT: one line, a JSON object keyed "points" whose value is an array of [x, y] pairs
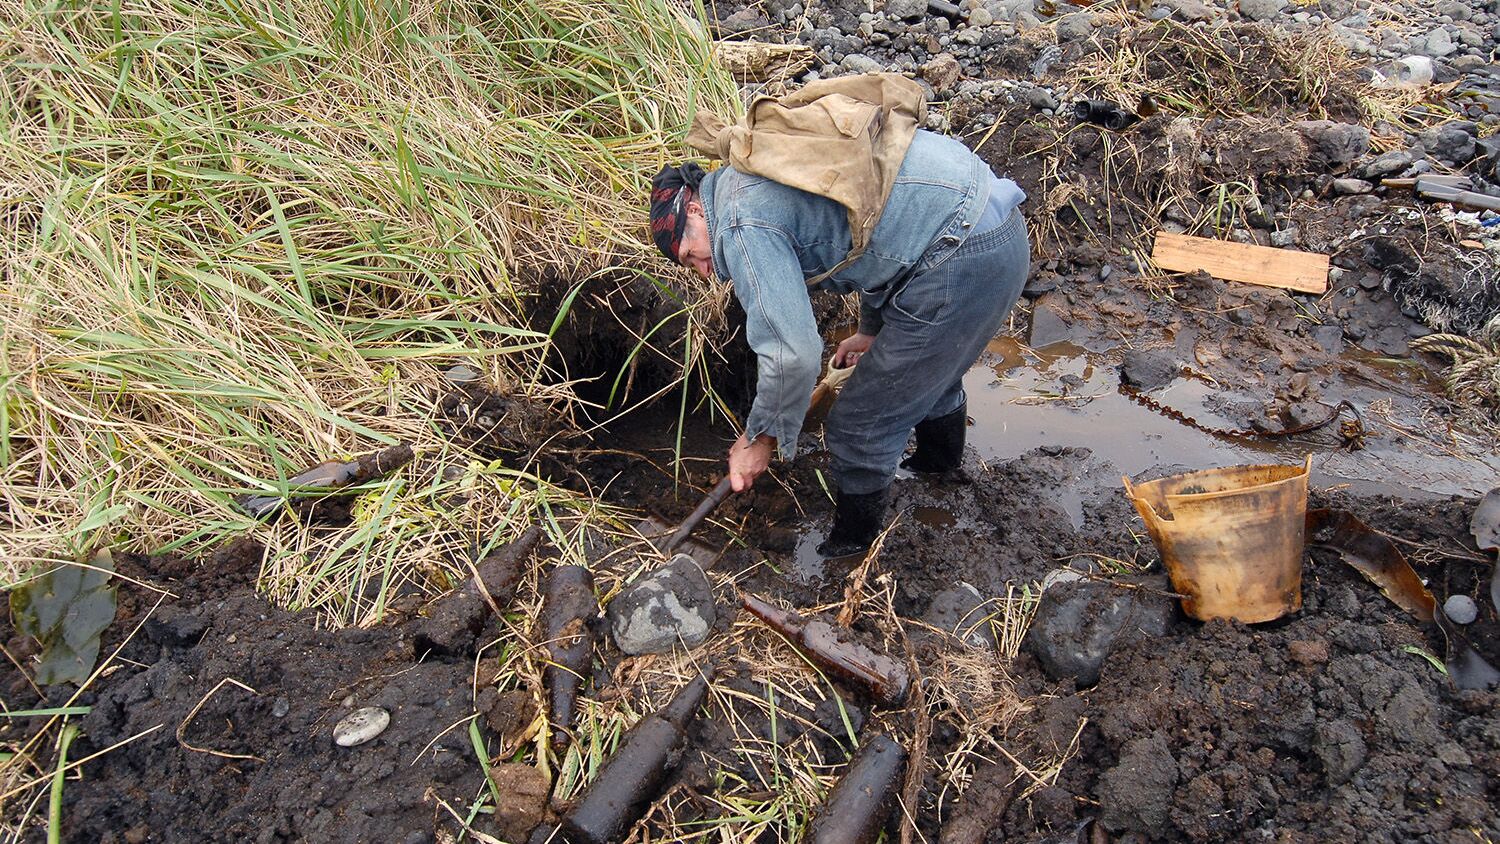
{"points": [[842, 138]]}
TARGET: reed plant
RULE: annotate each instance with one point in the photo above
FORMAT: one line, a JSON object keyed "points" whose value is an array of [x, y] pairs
{"points": [[240, 238]]}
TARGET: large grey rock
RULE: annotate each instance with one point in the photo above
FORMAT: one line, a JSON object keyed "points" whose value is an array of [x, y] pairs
{"points": [[670, 606], [745, 21], [1075, 26], [1261, 10], [1451, 142], [1078, 624], [1190, 10], [1437, 44], [1334, 146]]}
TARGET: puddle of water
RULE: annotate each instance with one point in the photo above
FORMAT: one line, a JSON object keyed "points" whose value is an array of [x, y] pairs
{"points": [[806, 565], [935, 517], [1063, 395]]}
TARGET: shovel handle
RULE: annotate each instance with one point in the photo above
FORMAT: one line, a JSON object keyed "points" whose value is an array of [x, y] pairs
{"points": [[721, 491]]}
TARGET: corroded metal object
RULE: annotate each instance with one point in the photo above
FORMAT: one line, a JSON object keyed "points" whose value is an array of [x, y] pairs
{"points": [[858, 806], [633, 777], [567, 610], [887, 680]]}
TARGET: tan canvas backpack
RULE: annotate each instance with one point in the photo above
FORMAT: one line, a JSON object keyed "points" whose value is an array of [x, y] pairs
{"points": [[842, 138]]}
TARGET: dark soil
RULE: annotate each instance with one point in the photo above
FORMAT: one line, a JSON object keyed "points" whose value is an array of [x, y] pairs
{"points": [[262, 765]]}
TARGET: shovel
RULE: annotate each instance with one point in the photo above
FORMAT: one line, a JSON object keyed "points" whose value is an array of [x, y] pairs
{"points": [[703, 553], [822, 398]]}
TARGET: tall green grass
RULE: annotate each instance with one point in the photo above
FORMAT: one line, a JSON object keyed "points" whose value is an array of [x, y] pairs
{"points": [[239, 237]]}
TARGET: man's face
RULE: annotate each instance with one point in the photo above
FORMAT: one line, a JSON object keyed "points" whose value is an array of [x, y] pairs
{"points": [[695, 252]]}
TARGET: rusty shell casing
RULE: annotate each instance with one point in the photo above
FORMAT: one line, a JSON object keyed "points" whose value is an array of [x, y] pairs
{"points": [[567, 610], [887, 680], [785, 622], [633, 777], [500, 572], [856, 809]]}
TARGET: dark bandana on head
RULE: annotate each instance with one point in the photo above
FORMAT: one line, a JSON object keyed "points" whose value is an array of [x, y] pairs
{"points": [[670, 191]]}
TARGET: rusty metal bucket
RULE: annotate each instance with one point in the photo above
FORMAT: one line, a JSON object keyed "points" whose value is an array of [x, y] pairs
{"points": [[1232, 539]]}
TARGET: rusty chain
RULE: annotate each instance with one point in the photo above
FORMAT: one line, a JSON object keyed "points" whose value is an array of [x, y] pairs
{"points": [[1351, 431]]}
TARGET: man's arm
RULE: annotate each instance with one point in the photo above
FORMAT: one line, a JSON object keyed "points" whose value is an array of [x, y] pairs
{"points": [[780, 328]]}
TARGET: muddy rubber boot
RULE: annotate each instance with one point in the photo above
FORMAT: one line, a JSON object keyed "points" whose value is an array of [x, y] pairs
{"points": [[856, 521], [940, 443]]}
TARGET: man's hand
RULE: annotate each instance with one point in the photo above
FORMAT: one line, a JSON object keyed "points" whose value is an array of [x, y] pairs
{"points": [[747, 459], [849, 352]]}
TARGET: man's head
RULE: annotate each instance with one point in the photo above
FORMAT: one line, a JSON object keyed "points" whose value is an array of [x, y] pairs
{"points": [[678, 224]]}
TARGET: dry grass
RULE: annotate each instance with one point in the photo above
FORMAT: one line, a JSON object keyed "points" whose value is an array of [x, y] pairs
{"points": [[239, 240]]}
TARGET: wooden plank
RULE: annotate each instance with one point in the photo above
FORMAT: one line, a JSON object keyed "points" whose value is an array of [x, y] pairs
{"points": [[1303, 271]]}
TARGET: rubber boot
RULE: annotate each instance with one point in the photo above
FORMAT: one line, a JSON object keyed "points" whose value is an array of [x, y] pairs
{"points": [[857, 519], [940, 443]]}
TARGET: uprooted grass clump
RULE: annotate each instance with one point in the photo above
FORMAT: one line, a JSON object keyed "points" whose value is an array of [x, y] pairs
{"points": [[243, 239]]}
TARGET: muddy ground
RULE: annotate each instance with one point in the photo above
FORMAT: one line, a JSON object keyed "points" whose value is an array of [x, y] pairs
{"points": [[1329, 725]]}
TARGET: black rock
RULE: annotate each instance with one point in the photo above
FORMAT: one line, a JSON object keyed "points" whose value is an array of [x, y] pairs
{"points": [[1149, 370], [175, 628], [1078, 624]]}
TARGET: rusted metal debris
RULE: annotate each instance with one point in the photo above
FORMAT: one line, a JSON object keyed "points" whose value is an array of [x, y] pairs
{"points": [[456, 619], [856, 809], [1379, 560], [885, 679], [633, 777], [1351, 431], [330, 475], [568, 610]]}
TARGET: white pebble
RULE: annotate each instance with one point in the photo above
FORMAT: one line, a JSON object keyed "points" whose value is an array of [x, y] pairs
{"points": [[360, 726], [1461, 609]]}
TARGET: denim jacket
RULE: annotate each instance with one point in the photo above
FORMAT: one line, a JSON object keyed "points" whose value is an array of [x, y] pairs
{"points": [[768, 239]]}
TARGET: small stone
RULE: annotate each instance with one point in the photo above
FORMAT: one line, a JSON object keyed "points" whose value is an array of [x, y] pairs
{"points": [[1388, 164], [981, 17], [860, 63], [1438, 43], [1077, 625], [360, 726], [670, 606], [280, 707], [1041, 98], [462, 374], [1105, 272], [942, 72], [961, 610], [1286, 237], [1148, 369], [1075, 26], [745, 21], [1461, 609], [1330, 337], [905, 9], [1351, 187]]}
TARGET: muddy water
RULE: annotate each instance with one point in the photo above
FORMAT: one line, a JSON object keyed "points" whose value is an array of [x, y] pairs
{"points": [[1064, 395]]}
